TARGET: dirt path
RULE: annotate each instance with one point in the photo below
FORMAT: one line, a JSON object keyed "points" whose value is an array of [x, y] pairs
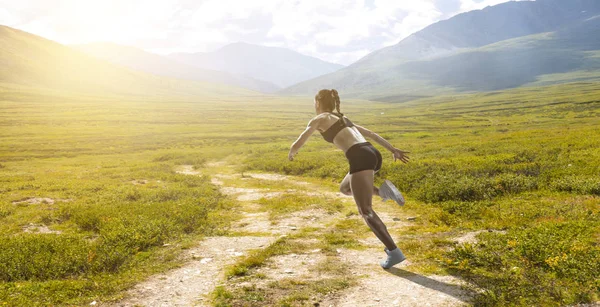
{"points": [[398, 286], [202, 272], [395, 287], [204, 266]]}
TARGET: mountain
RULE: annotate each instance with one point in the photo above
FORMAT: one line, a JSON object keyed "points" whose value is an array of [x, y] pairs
{"points": [[31, 61], [138, 59], [504, 46], [515, 62], [279, 66]]}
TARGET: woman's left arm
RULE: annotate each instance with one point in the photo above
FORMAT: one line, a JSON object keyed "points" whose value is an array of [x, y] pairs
{"points": [[310, 129], [398, 154]]}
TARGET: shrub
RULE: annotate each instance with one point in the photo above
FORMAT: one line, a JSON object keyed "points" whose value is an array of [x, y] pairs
{"points": [[4, 211], [122, 238], [322, 164], [123, 230], [43, 257], [514, 183], [132, 195], [577, 184], [165, 157], [452, 187], [181, 159], [544, 264], [87, 219], [465, 210]]}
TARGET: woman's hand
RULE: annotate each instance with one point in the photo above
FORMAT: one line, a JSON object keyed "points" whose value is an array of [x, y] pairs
{"points": [[399, 154]]}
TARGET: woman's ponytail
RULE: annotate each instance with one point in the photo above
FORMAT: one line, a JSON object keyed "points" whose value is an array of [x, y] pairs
{"points": [[336, 99]]}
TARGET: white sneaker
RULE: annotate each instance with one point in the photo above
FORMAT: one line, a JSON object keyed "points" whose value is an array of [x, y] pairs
{"points": [[393, 257], [389, 191]]}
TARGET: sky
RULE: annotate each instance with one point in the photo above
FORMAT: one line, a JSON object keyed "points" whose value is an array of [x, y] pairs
{"points": [[339, 31]]}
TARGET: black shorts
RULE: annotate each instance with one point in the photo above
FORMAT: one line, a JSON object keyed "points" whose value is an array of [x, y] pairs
{"points": [[362, 157]]}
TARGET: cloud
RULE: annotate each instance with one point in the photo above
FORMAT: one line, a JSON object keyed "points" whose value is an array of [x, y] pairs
{"points": [[469, 5], [6, 18], [336, 30], [359, 26], [75, 21], [332, 26], [416, 19], [348, 56]]}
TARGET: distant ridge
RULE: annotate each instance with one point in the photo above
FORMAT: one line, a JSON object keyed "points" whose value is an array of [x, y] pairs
{"points": [[508, 45], [35, 62], [141, 60], [279, 66]]}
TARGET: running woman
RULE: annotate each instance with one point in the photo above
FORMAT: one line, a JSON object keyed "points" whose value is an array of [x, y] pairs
{"points": [[365, 160]]}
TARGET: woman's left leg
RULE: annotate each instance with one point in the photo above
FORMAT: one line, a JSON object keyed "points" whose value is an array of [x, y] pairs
{"points": [[347, 190]]}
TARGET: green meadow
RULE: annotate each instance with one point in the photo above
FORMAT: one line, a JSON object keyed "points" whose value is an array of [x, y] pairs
{"points": [[99, 172]]}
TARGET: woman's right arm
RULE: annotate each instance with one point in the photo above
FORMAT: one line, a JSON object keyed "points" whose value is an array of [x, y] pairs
{"points": [[398, 154], [310, 129]]}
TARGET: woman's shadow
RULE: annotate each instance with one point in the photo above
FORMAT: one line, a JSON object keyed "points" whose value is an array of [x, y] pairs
{"points": [[455, 291]]}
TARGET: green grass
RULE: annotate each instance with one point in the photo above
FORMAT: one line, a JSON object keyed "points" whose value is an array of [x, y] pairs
{"points": [[499, 160], [525, 161], [344, 234], [110, 227], [257, 258], [286, 291], [552, 263], [289, 203]]}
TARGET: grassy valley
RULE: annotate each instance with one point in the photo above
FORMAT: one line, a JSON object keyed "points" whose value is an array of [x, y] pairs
{"points": [[128, 178], [91, 202]]}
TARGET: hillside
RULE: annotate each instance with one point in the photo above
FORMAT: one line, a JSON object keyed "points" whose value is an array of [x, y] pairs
{"points": [[34, 62], [138, 59], [483, 27], [279, 66], [515, 62], [505, 46]]}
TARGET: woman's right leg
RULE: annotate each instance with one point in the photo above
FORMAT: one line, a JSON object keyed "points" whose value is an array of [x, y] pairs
{"points": [[361, 184]]}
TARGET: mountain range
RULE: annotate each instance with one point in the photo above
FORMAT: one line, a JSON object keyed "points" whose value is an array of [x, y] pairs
{"points": [[30, 61], [141, 60], [508, 45], [279, 66], [35, 62]]}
